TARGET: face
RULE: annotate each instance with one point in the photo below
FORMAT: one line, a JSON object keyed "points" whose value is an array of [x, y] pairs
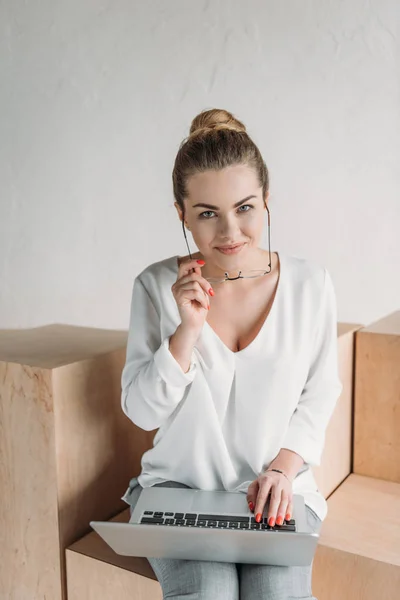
{"points": [[225, 208]]}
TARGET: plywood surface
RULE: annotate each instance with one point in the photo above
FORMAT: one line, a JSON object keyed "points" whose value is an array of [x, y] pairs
{"points": [[388, 325], [55, 345], [377, 406], [364, 519], [90, 579], [340, 575], [336, 458], [94, 546], [98, 448], [29, 549], [344, 328]]}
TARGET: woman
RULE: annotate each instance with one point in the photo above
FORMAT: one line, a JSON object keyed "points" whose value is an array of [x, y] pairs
{"points": [[232, 356]]}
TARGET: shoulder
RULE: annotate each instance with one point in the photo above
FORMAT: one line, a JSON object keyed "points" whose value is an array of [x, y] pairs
{"points": [[307, 275], [158, 275], [160, 268], [311, 290]]}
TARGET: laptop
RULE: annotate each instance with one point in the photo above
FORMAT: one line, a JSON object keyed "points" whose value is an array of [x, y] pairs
{"points": [[196, 524]]}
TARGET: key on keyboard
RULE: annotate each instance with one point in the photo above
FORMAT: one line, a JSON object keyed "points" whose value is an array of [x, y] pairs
{"points": [[213, 521]]}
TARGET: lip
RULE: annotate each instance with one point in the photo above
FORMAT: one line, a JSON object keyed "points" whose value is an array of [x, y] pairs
{"points": [[230, 249]]}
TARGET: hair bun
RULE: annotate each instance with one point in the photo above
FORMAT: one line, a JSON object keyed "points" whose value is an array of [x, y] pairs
{"points": [[215, 119]]}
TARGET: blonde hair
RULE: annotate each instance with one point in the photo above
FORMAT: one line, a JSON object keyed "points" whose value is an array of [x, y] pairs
{"points": [[216, 140]]}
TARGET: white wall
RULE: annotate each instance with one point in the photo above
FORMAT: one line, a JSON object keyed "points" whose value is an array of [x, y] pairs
{"points": [[96, 97]]}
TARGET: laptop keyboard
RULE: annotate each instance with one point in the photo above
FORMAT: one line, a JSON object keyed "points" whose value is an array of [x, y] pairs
{"points": [[213, 521]]}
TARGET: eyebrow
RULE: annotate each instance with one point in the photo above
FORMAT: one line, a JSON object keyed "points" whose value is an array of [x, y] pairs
{"points": [[217, 208]]}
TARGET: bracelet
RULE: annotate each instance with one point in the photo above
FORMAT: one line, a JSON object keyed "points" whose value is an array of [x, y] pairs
{"points": [[279, 471]]}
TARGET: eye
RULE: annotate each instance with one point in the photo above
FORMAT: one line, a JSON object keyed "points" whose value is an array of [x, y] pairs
{"points": [[208, 212], [202, 215]]}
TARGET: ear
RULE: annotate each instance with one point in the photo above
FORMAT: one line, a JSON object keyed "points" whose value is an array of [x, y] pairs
{"points": [[180, 213], [178, 210]]}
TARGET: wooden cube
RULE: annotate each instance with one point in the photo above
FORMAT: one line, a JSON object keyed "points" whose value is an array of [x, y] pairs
{"points": [[337, 456], [67, 450], [358, 554], [377, 400], [96, 572]]}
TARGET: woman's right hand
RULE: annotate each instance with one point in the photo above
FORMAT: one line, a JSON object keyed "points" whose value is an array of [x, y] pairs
{"points": [[192, 292]]}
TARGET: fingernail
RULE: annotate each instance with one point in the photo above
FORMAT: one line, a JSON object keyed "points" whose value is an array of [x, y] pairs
{"points": [[258, 517], [279, 521], [208, 307], [271, 521], [251, 506], [201, 262], [287, 517], [211, 292]]}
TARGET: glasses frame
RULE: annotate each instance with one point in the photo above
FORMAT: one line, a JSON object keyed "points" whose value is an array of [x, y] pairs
{"points": [[240, 276]]}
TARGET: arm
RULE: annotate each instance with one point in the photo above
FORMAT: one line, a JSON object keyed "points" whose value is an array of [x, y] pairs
{"points": [[153, 382], [287, 461], [306, 431]]}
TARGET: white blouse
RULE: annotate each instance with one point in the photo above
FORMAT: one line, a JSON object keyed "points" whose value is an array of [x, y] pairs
{"points": [[223, 422]]}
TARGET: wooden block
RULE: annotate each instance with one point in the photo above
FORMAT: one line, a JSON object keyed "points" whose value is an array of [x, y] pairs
{"points": [[337, 455], [94, 580], [358, 554], [67, 449], [95, 571], [29, 542], [377, 400]]}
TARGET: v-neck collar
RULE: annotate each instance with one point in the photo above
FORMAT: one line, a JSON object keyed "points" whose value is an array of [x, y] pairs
{"points": [[267, 320]]}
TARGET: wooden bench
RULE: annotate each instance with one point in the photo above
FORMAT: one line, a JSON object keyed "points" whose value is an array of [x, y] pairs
{"points": [[358, 555], [357, 558], [70, 452], [95, 571]]}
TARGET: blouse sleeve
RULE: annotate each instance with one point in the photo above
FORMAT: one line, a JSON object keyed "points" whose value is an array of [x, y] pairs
{"points": [[153, 382], [306, 431]]}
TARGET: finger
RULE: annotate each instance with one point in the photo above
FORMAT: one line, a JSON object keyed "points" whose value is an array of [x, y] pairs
{"points": [[261, 499], [289, 511], [195, 286], [276, 498], [186, 266], [251, 497], [188, 296], [280, 517], [195, 277]]}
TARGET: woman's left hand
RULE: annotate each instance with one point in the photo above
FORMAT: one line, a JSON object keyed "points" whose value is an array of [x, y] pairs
{"points": [[281, 501]]}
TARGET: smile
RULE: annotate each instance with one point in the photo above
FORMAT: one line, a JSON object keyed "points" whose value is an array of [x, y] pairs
{"points": [[231, 249]]}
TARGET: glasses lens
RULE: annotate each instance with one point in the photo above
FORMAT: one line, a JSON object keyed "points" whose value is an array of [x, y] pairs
{"points": [[251, 274], [244, 274], [214, 281]]}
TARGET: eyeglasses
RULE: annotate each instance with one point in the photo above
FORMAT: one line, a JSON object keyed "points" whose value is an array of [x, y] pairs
{"points": [[253, 273], [242, 275]]}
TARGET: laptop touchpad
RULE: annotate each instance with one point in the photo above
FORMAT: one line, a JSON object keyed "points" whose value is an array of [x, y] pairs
{"points": [[219, 502]]}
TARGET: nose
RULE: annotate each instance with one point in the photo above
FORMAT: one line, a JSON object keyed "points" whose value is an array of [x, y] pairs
{"points": [[228, 230]]}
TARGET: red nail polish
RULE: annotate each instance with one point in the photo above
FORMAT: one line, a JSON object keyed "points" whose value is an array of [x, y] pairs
{"points": [[279, 521], [271, 521], [258, 517], [211, 292], [287, 517], [201, 262], [251, 506]]}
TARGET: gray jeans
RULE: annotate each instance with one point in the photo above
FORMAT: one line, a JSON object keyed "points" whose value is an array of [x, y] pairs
{"points": [[212, 580]]}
